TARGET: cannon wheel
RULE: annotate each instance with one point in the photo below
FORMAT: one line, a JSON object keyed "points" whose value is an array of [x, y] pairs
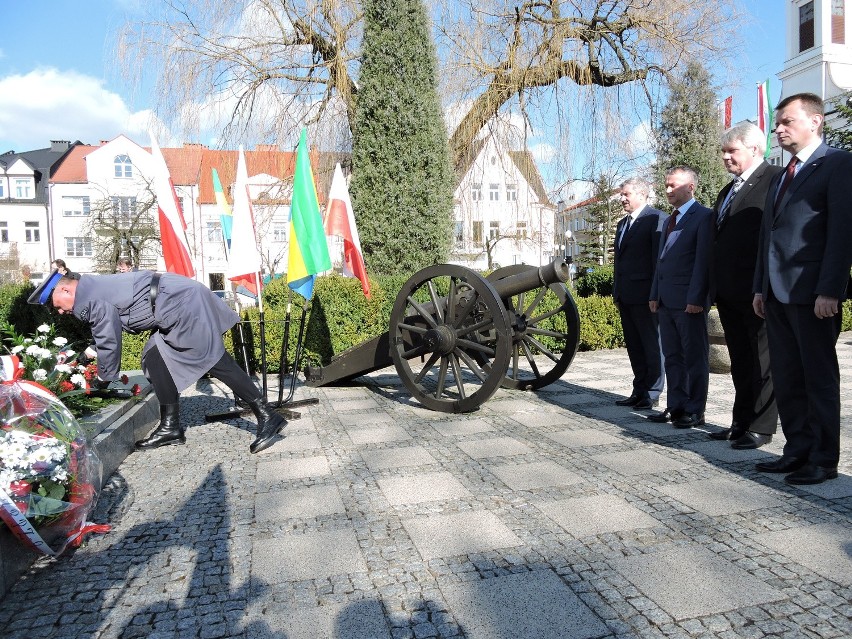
{"points": [[528, 316], [450, 352]]}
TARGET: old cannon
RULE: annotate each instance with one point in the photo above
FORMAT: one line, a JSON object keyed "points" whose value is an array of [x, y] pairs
{"points": [[455, 336]]}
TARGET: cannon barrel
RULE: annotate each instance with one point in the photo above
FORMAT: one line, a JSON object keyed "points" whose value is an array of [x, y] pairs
{"points": [[556, 271]]}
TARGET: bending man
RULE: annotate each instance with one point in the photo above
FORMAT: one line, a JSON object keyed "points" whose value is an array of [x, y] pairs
{"points": [[187, 321]]}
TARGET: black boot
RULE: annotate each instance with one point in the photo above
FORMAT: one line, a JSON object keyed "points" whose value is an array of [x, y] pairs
{"points": [[169, 431], [269, 424]]}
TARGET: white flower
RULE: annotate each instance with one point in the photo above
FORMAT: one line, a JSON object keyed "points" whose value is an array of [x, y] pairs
{"points": [[44, 328], [39, 374], [28, 340], [46, 352], [63, 368], [78, 380], [17, 349], [60, 341], [33, 350]]}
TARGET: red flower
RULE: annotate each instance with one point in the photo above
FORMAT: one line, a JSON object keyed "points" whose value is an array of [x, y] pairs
{"points": [[125, 379], [65, 386], [136, 389]]}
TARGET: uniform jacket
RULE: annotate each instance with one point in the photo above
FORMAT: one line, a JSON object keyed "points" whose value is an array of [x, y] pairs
{"points": [[805, 248], [682, 275], [188, 321], [735, 245], [636, 256]]}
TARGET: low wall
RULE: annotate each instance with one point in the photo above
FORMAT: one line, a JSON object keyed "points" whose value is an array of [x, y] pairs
{"points": [[114, 429]]}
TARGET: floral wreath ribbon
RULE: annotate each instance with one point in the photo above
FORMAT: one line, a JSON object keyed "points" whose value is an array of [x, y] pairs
{"points": [[11, 373]]}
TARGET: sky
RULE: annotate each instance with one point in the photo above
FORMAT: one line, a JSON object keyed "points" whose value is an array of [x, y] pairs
{"points": [[60, 79]]}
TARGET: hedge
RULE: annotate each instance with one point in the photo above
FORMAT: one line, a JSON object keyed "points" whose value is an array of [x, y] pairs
{"points": [[340, 317]]}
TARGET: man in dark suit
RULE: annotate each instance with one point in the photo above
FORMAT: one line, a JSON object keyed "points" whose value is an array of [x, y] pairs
{"points": [[637, 245], [680, 295], [800, 280], [739, 211]]}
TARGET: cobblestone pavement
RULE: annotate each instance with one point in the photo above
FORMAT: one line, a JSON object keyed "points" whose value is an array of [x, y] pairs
{"points": [[548, 515]]}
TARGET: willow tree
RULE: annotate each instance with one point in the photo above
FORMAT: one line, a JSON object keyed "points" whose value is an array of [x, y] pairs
{"points": [[402, 184], [269, 66]]}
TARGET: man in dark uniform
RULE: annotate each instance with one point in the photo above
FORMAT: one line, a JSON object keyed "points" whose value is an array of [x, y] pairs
{"points": [[187, 321]]}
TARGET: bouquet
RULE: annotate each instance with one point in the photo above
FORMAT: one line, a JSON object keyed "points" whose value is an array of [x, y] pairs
{"points": [[49, 471]]}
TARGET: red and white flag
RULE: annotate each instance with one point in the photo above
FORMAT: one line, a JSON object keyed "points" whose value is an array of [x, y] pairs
{"points": [[244, 259], [340, 220], [172, 224]]}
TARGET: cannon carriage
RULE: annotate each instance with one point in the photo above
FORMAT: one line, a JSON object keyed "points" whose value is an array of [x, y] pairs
{"points": [[455, 336]]}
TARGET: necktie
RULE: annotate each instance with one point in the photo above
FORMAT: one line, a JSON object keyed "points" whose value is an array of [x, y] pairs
{"points": [[729, 200], [671, 223], [627, 223], [788, 177]]}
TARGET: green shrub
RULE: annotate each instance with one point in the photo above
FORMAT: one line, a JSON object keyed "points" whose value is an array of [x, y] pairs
{"points": [[600, 324], [595, 282]]}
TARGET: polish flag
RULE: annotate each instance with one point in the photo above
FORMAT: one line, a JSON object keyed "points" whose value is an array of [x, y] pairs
{"points": [[340, 220], [172, 225], [244, 263]]}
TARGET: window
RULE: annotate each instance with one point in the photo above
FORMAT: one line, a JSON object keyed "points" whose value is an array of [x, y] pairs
{"points": [[477, 232], [476, 192], [279, 233], [4, 232], [494, 192], [78, 246], [806, 26], [124, 208], [214, 231], [838, 21], [521, 230], [512, 192], [32, 234], [123, 167], [458, 231], [2, 188], [493, 230], [24, 188], [76, 206]]}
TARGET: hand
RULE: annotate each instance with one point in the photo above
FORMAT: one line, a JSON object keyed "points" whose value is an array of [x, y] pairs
{"points": [[825, 306], [694, 308], [653, 305], [87, 356], [757, 305]]}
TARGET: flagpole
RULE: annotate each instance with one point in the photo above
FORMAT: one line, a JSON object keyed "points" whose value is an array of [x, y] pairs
{"points": [[285, 347]]}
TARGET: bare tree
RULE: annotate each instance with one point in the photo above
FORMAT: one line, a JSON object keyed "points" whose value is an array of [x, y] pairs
{"points": [[264, 67], [124, 226]]}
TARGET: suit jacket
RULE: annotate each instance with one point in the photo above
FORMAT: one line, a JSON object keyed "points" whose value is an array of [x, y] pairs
{"points": [[682, 275], [188, 321], [805, 248], [636, 256], [736, 240]]}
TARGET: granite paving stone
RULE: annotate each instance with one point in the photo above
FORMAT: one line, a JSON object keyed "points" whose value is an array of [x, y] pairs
{"points": [[552, 513]]}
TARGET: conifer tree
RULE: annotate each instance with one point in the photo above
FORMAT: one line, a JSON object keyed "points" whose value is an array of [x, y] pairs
{"points": [[402, 180], [689, 134], [840, 135], [601, 221]]}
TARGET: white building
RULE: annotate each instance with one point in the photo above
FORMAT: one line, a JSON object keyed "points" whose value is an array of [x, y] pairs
{"points": [[501, 207]]}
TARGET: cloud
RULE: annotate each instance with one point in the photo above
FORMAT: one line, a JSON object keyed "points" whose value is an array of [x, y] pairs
{"points": [[48, 104]]}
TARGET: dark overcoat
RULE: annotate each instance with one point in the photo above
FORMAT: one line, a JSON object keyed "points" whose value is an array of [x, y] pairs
{"points": [[187, 321]]}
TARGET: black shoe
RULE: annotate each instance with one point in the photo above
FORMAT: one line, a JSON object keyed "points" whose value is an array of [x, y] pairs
{"points": [[269, 424], [688, 420], [784, 464], [665, 415], [751, 440], [168, 431], [811, 474], [645, 404], [630, 401], [733, 433]]}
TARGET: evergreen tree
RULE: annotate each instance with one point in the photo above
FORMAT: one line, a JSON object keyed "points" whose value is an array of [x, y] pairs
{"points": [[601, 221], [841, 135], [689, 134], [402, 180]]}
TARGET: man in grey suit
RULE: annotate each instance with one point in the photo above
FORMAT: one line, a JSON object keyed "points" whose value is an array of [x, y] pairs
{"points": [[800, 280], [680, 295], [186, 321], [637, 245], [739, 211]]}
